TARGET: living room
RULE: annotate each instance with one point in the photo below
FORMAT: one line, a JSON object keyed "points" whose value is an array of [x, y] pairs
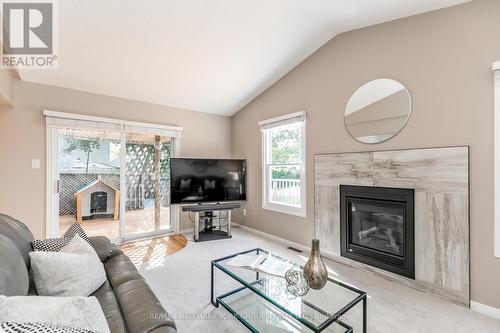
{"points": [[278, 166]]}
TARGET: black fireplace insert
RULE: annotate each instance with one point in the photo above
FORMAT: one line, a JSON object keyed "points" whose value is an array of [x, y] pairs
{"points": [[377, 227]]}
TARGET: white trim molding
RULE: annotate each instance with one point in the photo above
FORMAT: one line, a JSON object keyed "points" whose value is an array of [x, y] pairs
{"points": [[76, 116], [485, 309], [266, 126], [56, 120], [496, 153], [496, 66], [52, 184], [278, 121]]}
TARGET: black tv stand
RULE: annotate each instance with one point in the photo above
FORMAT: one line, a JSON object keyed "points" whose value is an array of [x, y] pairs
{"points": [[206, 215]]}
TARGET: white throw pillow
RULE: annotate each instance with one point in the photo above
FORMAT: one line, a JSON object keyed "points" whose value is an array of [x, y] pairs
{"points": [[78, 245], [73, 271], [78, 312]]}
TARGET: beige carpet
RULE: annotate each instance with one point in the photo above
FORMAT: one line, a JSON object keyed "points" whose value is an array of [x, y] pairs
{"points": [[182, 283]]}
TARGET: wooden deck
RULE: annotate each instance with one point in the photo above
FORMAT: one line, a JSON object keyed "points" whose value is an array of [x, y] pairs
{"points": [[136, 222], [153, 249]]}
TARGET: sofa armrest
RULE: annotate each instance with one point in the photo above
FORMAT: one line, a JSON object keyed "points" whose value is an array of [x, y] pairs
{"points": [[142, 311], [103, 247]]}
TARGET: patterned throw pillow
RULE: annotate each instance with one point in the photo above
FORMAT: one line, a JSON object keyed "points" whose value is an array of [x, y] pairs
{"points": [[50, 244], [39, 327], [55, 244], [76, 228]]}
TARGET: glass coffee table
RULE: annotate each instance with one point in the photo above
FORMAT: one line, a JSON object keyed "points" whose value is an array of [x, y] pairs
{"points": [[262, 303]]}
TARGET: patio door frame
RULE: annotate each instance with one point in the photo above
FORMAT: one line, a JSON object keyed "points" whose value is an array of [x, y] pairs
{"points": [[52, 164]]}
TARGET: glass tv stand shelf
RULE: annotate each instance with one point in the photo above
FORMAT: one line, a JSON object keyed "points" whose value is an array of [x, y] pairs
{"points": [[262, 303], [210, 223]]}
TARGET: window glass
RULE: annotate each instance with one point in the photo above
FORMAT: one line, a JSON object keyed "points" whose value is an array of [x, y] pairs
{"points": [[283, 168]]}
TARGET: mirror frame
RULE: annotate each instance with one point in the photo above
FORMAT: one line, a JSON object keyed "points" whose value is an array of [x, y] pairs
{"points": [[395, 133]]}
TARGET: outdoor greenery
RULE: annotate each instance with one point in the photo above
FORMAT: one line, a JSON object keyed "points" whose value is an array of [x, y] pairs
{"points": [[84, 145], [286, 149], [286, 145], [286, 173]]}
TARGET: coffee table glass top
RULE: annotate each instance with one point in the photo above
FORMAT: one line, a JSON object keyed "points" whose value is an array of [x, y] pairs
{"points": [[262, 316], [316, 310]]}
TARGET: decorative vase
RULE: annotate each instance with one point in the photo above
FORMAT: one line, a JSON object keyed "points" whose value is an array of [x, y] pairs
{"points": [[315, 269]]}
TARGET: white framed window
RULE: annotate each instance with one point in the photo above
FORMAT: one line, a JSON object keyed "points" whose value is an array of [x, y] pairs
{"points": [[496, 74], [284, 164]]}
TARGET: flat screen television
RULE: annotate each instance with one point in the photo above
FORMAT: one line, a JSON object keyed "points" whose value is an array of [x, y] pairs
{"points": [[195, 180]]}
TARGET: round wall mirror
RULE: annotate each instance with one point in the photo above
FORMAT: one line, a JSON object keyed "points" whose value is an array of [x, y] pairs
{"points": [[377, 111]]}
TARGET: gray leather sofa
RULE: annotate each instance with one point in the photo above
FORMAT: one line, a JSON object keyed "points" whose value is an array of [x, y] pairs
{"points": [[127, 301]]}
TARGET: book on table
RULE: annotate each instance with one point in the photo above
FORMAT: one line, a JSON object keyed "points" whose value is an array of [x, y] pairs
{"points": [[262, 263]]}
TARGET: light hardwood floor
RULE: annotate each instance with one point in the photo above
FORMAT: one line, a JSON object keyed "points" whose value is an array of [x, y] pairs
{"points": [[136, 222], [152, 249]]}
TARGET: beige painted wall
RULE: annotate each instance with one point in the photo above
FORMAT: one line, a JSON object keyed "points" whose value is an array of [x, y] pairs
{"points": [[7, 77], [22, 138], [444, 58]]}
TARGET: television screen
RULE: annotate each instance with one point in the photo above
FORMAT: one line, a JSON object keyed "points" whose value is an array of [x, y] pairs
{"points": [[207, 180]]}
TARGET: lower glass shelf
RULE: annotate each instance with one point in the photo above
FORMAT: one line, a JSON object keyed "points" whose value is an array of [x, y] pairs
{"points": [[258, 315]]}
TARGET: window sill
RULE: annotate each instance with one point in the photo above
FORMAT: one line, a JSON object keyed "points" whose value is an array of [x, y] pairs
{"points": [[284, 209]]}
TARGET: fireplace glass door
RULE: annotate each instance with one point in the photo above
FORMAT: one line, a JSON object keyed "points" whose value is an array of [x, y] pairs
{"points": [[377, 225]]}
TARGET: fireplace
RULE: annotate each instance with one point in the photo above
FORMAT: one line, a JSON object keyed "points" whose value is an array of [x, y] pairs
{"points": [[377, 227]]}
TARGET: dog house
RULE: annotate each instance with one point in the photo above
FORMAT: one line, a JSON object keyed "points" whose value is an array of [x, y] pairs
{"points": [[97, 200]]}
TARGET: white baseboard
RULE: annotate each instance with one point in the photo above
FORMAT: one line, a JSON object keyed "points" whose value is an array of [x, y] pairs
{"points": [[276, 238], [485, 309]]}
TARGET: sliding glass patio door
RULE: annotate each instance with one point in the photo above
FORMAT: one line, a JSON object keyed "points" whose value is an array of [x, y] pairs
{"points": [[89, 180], [147, 181], [111, 178]]}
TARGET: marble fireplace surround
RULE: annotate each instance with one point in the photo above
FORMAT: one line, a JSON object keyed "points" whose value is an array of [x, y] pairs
{"points": [[440, 177]]}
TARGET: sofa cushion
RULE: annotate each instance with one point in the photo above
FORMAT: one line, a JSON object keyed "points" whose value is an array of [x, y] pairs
{"points": [[110, 307], [141, 309], [120, 269], [14, 278], [19, 234]]}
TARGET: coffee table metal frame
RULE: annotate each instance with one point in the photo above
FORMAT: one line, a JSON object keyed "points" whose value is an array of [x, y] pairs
{"points": [[332, 318]]}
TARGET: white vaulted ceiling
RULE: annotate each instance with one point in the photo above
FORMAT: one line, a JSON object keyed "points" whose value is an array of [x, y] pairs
{"points": [[204, 55]]}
